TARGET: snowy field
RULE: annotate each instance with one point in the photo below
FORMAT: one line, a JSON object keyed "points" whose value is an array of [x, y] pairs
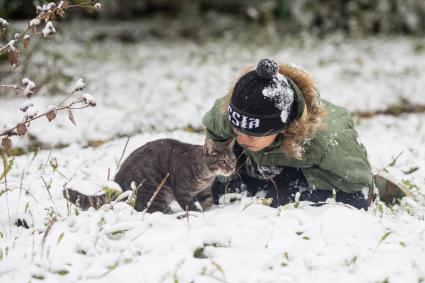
{"points": [[154, 89]]}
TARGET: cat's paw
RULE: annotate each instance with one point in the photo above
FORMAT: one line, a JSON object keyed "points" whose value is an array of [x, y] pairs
{"points": [[229, 198]]}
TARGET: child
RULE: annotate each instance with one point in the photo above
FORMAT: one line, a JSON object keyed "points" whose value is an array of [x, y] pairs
{"points": [[289, 140]]}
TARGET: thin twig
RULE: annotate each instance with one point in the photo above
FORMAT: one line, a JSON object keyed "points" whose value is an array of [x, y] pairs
{"points": [[48, 191], [9, 132], [122, 154], [49, 227], [15, 87], [85, 6], [156, 192], [6, 170], [277, 191], [7, 202], [20, 191]]}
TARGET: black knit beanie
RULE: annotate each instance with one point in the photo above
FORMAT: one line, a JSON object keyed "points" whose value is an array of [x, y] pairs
{"points": [[262, 101]]}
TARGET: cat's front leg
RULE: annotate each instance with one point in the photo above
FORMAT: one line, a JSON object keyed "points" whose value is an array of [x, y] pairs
{"points": [[187, 202], [205, 198]]}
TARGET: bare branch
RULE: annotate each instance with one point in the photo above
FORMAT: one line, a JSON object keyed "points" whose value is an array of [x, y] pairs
{"points": [[10, 131], [16, 87], [47, 13]]}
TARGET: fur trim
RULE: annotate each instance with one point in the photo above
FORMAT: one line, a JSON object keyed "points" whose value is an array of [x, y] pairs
{"points": [[300, 131]]}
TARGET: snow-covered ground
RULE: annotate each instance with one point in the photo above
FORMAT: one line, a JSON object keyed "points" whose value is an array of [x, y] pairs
{"points": [[157, 85], [155, 89]]}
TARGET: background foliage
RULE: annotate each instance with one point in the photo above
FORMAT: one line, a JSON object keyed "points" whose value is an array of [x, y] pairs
{"points": [[321, 16]]}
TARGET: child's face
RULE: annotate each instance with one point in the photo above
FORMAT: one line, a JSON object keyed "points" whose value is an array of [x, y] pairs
{"points": [[254, 143]]}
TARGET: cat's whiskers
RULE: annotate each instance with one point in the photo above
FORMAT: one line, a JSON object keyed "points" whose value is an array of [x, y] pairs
{"points": [[240, 167], [242, 153]]}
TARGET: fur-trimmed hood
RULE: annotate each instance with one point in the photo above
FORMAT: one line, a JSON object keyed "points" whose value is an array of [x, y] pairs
{"points": [[299, 131]]}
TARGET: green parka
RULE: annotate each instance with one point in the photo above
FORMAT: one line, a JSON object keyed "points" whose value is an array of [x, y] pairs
{"points": [[332, 157]]}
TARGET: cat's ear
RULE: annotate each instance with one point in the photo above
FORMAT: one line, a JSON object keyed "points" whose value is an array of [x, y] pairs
{"points": [[231, 143], [208, 147]]}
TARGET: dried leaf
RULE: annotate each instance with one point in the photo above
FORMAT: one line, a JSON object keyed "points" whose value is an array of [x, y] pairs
{"points": [[265, 201], [385, 236], [33, 29], [60, 13], [410, 170], [71, 117], [51, 115], [21, 129], [54, 163], [14, 57], [26, 42], [47, 16], [6, 143], [60, 237], [219, 268], [32, 25]]}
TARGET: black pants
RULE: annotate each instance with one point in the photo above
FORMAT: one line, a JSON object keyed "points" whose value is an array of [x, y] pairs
{"points": [[283, 187]]}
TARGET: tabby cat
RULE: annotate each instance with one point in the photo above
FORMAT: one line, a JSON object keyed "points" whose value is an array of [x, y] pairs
{"points": [[191, 169]]}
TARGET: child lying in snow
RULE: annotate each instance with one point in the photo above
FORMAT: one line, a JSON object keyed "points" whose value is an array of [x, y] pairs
{"points": [[290, 142]]}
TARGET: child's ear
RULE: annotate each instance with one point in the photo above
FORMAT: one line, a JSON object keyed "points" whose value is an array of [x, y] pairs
{"points": [[208, 147]]}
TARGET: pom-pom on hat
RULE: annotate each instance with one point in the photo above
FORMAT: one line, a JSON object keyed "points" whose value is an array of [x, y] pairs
{"points": [[262, 101]]}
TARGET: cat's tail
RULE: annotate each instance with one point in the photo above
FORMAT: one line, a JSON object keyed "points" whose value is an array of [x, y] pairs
{"points": [[84, 201]]}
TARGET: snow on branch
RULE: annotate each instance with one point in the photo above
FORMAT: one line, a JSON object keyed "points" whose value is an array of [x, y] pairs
{"points": [[31, 113], [46, 13]]}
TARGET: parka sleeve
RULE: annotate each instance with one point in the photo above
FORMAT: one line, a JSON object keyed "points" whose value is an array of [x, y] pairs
{"points": [[346, 163], [217, 125]]}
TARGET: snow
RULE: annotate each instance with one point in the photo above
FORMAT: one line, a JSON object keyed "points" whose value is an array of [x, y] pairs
{"points": [[51, 108], [31, 112], [282, 94], [79, 85], [34, 22], [49, 29], [239, 242], [3, 22], [61, 3], [25, 105], [29, 86], [11, 44], [49, 6], [88, 99], [242, 241], [125, 78]]}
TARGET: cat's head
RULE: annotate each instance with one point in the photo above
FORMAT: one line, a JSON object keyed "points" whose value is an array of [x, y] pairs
{"points": [[219, 157]]}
